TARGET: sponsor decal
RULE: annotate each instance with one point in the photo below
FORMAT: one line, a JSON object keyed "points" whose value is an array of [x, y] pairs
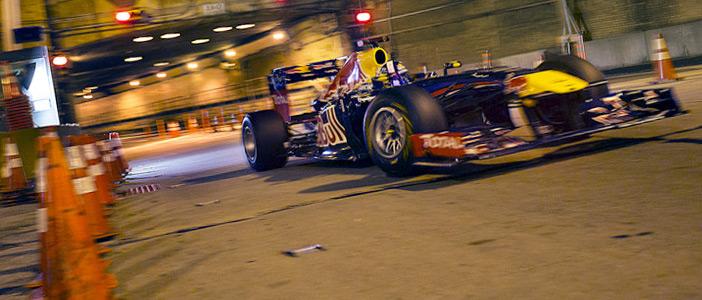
{"points": [[447, 144], [329, 130], [450, 88], [279, 99], [458, 144], [346, 79], [440, 141]]}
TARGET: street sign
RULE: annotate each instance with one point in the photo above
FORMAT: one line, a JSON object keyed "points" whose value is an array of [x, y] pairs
{"points": [[29, 34], [216, 8]]}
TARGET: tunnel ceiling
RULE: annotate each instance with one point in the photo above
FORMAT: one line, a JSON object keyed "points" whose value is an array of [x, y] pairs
{"points": [[102, 63]]}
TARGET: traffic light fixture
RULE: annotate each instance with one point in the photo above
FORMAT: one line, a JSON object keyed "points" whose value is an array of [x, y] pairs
{"points": [[60, 60], [133, 16], [363, 17], [363, 26]]}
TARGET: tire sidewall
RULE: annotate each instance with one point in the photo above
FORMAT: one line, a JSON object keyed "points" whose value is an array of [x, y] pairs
{"points": [[420, 112], [269, 133]]}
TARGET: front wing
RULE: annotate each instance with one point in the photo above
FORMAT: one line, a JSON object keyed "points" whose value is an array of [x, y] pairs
{"points": [[620, 110]]}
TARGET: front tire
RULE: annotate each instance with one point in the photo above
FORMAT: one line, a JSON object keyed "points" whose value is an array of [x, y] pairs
{"points": [[580, 68], [263, 134], [393, 116]]}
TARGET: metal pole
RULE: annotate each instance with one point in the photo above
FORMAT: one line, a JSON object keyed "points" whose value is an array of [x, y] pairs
{"points": [[67, 114]]}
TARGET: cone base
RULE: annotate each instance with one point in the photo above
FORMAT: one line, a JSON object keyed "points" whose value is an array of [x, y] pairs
{"points": [[105, 236], [103, 249], [35, 283], [37, 294], [662, 81]]}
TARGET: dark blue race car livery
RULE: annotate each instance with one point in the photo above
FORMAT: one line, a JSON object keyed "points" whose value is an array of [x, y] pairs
{"points": [[371, 107]]}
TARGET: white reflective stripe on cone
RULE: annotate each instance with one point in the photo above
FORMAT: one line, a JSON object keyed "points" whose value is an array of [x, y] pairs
{"points": [[74, 157], [15, 163], [40, 186], [96, 170], [11, 149], [660, 56], [90, 151], [42, 220], [108, 157], [84, 185]]}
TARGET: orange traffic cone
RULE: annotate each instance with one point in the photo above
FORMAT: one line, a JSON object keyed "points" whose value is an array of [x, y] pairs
{"points": [[192, 125], [205, 116], [662, 62], [119, 153], [49, 278], [580, 47], [42, 219], [487, 60], [86, 190], [78, 266], [174, 129], [108, 157], [13, 178], [161, 127], [96, 168]]}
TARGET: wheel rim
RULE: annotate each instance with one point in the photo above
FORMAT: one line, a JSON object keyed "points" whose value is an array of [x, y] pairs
{"points": [[249, 143], [389, 132]]}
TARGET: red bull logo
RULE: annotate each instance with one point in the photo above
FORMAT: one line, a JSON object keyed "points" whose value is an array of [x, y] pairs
{"points": [[329, 129]]}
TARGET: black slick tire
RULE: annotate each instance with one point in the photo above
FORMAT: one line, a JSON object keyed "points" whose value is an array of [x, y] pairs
{"points": [[393, 116], [263, 134], [580, 68]]}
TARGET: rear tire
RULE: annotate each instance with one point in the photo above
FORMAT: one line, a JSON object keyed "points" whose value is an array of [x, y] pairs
{"points": [[263, 134], [393, 116]]}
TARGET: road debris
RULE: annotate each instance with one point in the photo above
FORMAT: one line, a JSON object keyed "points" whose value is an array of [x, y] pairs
{"points": [[176, 185], [145, 189], [304, 250], [208, 202]]}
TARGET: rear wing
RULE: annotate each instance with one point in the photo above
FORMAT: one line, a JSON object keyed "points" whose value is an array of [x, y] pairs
{"points": [[281, 77]]}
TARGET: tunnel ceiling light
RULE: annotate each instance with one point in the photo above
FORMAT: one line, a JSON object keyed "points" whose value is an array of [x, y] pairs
{"points": [[230, 53], [161, 74], [142, 39], [227, 65], [133, 59], [170, 35], [223, 29], [245, 26], [192, 65], [278, 35], [134, 83], [89, 96], [161, 64], [200, 41]]}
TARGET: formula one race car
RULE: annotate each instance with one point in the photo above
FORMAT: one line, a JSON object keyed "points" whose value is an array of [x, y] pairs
{"points": [[371, 107]]}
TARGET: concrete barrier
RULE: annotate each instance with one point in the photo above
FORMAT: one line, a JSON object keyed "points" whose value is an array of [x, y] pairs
{"points": [[626, 50], [630, 49]]}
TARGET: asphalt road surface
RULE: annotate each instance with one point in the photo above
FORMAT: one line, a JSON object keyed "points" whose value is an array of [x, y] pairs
{"points": [[615, 216]]}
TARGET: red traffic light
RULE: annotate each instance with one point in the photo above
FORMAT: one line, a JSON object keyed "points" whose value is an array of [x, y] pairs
{"points": [[363, 17], [123, 16], [60, 61]]}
